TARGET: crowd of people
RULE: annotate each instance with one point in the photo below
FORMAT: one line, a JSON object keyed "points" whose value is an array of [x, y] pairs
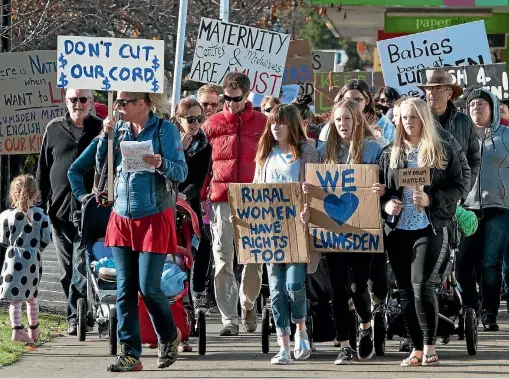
{"points": [[206, 146]]}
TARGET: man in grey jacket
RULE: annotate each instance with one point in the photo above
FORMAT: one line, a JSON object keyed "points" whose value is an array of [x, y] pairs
{"points": [[489, 199]]}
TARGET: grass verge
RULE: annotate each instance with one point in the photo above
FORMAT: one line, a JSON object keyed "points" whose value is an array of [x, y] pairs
{"points": [[51, 326]]}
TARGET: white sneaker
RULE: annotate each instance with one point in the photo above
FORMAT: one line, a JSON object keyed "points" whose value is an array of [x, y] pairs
{"points": [[302, 348], [282, 358]]}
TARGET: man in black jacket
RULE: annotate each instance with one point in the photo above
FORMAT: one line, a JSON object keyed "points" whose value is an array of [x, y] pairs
{"points": [[64, 140], [440, 91]]}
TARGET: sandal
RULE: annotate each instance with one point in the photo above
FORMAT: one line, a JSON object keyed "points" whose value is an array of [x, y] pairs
{"points": [[431, 360], [412, 361]]}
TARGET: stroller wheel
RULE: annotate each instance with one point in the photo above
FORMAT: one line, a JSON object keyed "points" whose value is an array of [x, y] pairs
{"points": [[471, 331], [113, 331], [82, 319], [202, 331], [379, 332], [265, 330]]}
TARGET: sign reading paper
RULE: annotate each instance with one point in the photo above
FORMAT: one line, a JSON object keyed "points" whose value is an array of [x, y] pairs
{"points": [[110, 64], [402, 58], [492, 77], [223, 47], [299, 67], [413, 177], [29, 99], [328, 84], [344, 210], [290, 93], [267, 223]]}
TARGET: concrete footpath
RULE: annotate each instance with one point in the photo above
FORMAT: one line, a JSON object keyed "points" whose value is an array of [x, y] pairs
{"points": [[241, 357]]}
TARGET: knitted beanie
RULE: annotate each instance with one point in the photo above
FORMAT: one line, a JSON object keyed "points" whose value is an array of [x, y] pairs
{"points": [[480, 94]]}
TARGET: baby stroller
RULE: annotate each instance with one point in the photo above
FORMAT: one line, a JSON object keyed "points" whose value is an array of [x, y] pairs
{"points": [[189, 321], [453, 318]]}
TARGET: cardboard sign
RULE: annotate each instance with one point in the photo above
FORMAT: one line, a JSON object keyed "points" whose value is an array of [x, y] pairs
{"points": [[29, 99], [413, 177], [267, 224], [377, 66], [110, 64], [345, 213], [323, 61], [223, 47], [492, 77], [299, 67], [402, 58], [328, 84]]}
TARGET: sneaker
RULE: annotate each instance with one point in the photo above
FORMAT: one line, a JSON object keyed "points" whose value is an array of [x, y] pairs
{"points": [[282, 358], [229, 330], [124, 363], [405, 346], [72, 329], [249, 320], [345, 356], [201, 301], [302, 348], [365, 349], [184, 347], [213, 310], [489, 320], [167, 352]]}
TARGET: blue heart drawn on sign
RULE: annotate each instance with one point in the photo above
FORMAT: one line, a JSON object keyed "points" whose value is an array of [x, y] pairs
{"points": [[340, 209]]}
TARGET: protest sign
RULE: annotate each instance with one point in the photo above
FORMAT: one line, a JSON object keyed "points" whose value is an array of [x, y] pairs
{"points": [[223, 47], [402, 58], [29, 99], [377, 66], [492, 77], [328, 84], [323, 61], [290, 93], [344, 211], [413, 177], [299, 67], [110, 64], [267, 224]]}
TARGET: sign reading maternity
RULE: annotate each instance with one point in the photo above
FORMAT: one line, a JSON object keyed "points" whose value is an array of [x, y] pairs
{"points": [[222, 47], [267, 224], [343, 209], [110, 64], [403, 57]]}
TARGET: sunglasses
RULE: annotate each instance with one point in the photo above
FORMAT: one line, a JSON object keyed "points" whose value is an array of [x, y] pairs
{"points": [[235, 99], [74, 100], [267, 110], [194, 119], [123, 102], [212, 105]]}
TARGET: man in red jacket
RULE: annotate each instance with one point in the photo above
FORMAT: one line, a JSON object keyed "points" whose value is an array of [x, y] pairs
{"points": [[234, 134]]}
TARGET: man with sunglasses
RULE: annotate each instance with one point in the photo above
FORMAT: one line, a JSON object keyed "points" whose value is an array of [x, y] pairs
{"points": [[234, 134], [64, 140], [208, 97]]}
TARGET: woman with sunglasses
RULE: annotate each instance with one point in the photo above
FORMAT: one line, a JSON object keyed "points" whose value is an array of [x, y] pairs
{"points": [[385, 98], [358, 91], [198, 152], [268, 104], [416, 237], [350, 141], [141, 230]]}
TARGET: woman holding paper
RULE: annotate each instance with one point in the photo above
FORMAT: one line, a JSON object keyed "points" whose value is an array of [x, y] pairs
{"points": [[416, 221], [283, 152], [350, 141], [141, 230]]}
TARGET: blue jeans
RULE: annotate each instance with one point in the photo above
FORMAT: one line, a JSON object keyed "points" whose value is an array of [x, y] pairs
{"points": [[141, 272], [483, 253], [286, 283]]}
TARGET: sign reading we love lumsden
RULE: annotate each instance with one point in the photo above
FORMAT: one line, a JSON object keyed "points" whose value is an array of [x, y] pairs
{"points": [[345, 213]]}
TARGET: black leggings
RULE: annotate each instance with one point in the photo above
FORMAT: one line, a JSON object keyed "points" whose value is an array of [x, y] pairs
{"points": [[339, 265], [378, 279], [416, 257]]}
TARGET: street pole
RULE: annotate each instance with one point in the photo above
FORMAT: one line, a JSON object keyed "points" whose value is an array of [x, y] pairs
{"points": [[224, 10], [179, 56]]}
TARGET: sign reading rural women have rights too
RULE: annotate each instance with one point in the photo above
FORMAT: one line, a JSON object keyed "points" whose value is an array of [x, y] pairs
{"points": [[223, 47]]}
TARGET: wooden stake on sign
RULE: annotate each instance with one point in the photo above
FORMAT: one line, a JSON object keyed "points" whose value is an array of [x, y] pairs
{"points": [[110, 149]]}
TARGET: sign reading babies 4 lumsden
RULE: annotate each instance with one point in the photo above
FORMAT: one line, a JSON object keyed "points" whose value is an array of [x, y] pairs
{"points": [[267, 225], [403, 57], [345, 213], [223, 47], [110, 64]]}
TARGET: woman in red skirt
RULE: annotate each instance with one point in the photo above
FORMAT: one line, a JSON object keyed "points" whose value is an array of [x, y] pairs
{"points": [[141, 230]]}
